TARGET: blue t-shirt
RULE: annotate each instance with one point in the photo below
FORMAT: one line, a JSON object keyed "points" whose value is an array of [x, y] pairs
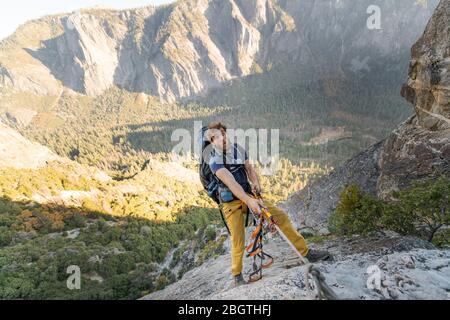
{"points": [[234, 161]]}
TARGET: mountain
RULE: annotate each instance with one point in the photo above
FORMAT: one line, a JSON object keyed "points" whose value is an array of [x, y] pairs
{"points": [[311, 69], [108, 87], [183, 49], [18, 152], [417, 150]]}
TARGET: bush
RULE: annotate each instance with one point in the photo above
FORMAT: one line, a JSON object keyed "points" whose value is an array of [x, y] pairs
{"points": [[75, 220], [15, 287], [442, 238], [5, 236], [422, 210], [210, 233], [355, 213]]}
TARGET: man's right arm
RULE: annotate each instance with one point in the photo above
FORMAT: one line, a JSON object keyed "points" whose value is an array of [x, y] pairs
{"points": [[226, 177]]}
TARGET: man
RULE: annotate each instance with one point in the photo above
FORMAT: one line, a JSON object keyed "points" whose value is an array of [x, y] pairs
{"points": [[230, 164]]}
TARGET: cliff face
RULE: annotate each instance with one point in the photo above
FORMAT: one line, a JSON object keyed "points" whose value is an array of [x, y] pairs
{"points": [[183, 49], [427, 87], [418, 149]]}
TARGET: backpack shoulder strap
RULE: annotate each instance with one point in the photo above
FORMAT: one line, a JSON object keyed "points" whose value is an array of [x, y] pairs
{"points": [[224, 221]]}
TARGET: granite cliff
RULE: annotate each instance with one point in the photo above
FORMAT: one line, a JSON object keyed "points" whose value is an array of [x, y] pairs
{"points": [[185, 48], [418, 149]]}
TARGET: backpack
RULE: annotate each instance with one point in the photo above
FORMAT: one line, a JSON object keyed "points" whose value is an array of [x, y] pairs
{"points": [[207, 178]]}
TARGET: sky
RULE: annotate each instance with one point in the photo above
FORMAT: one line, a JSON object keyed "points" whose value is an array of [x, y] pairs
{"points": [[19, 11]]}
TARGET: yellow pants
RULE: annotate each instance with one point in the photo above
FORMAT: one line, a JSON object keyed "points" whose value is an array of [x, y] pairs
{"points": [[235, 214]]}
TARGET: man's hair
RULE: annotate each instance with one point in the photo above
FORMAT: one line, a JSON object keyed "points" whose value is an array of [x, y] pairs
{"points": [[212, 127]]}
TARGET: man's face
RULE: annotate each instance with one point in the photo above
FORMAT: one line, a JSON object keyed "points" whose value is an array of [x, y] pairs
{"points": [[219, 139]]}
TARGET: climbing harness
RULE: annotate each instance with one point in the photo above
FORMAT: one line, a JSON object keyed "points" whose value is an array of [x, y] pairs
{"points": [[314, 279]]}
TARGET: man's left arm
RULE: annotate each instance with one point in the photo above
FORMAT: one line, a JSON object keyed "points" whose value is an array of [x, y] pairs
{"points": [[253, 177]]}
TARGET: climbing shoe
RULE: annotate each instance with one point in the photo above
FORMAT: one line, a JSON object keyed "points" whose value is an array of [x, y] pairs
{"points": [[239, 280], [317, 255]]}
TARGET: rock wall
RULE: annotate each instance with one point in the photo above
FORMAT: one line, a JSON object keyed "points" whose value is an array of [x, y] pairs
{"points": [[418, 149]]}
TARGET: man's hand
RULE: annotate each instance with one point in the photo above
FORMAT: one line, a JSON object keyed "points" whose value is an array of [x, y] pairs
{"points": [[226, 177], [254, 205], [256, 189]]}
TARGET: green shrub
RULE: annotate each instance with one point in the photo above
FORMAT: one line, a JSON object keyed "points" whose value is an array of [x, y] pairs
{"points": [[5, 236], [442, 238], [15, 287], [421, 210], [355, 213], [211, 249], [210, 233], [75, 220]]}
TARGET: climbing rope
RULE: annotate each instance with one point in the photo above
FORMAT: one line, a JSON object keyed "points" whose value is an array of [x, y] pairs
{"points": [[314, 280], [320, 289], [438, 116]]}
